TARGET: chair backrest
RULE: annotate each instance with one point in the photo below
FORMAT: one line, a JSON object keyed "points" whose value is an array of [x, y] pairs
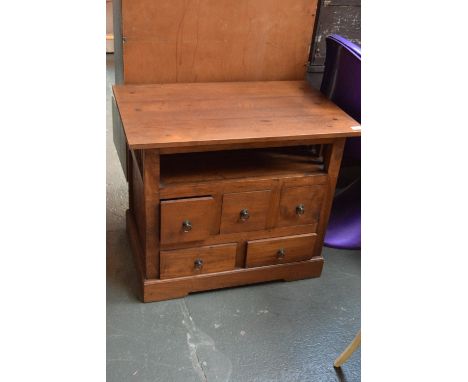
{"points": [[341, 81]]}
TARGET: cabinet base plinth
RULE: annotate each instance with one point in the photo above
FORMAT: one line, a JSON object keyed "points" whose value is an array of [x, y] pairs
{"points": [[158, 290]]}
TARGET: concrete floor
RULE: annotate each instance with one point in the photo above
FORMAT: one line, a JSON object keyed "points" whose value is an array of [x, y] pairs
{"points": [[282, 331]]}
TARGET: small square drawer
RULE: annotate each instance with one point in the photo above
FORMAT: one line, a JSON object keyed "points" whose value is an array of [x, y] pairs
{"points": [[280, 250], [184, 220], [197, 261], [245, 211], [301, 205]]}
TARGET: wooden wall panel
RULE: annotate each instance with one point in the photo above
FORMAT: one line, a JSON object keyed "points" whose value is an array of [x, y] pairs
{"points": [[169, 41]]}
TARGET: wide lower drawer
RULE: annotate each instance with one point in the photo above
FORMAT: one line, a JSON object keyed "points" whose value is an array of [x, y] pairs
{"points": [[286, 249], [196, 261]]}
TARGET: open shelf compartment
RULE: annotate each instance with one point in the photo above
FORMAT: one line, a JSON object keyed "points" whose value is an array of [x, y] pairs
{"points": [[239, 164]]}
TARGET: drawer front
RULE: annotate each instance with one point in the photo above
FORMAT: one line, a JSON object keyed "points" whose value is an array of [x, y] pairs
{"points": [[197, 261], [185, 220], [280, 250], [245, 211], [300, 205]]}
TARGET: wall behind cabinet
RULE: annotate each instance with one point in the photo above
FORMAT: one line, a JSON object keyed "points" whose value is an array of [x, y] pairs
{"points": [[341, 17]]}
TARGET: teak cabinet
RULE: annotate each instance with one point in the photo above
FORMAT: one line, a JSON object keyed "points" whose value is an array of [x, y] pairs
{"points": [[229, 183], [231, 158]]}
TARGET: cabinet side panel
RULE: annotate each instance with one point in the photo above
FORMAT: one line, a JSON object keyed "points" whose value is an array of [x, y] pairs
{"points": [[120, 141], [138, 202]]}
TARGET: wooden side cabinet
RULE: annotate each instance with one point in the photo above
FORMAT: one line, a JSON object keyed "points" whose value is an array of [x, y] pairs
{"points": [[226, 185]]}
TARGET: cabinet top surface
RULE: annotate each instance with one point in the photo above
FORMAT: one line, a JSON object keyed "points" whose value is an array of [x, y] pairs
{"points": [[223, 113]]}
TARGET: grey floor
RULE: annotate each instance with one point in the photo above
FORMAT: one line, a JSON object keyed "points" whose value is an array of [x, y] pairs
{"points": [[283, 331]]}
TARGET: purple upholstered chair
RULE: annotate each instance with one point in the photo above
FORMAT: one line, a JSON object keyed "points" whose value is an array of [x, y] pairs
{"points": [[342, 84]]}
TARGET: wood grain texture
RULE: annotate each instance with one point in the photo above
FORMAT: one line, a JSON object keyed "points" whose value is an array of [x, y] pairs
{"points": [[244, 189], [151, 211], [137, 197], [129, 165], [187, 52], [255, 204], [267, 251], [181, 262], [193, 168], [242, 237], [184, 190], [168, 41], [158, 290], [309, 197], [136, 249], [120, 141], [199, 212], [181, 115], [244, 145], [333, 154], [144, 203]]}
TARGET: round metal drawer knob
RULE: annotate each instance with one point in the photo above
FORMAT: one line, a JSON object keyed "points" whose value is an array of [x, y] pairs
{"points": [[187, 226], [198, 264], [300, 209], [244, 214], [281, 253]]}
